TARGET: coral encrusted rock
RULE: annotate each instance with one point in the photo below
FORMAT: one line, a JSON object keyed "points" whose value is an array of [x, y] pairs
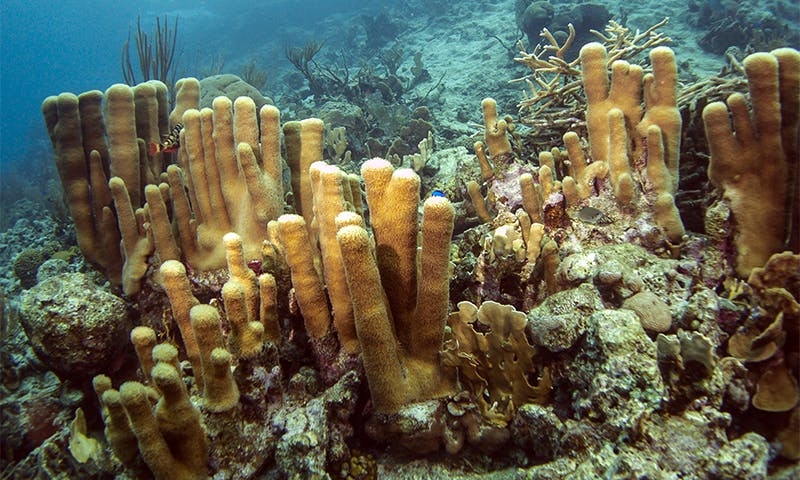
{"points": [[75, 327], [614, 379]]}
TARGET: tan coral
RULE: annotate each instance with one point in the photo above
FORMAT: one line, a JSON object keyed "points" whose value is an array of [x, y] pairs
{"points": [[776, 390], [623, 93], [777, 284], [478, 202], [170, 436], [242, 303], [633, 147], [790, 441], [83, 177], [160, 427], [229, 180], [304, 144], [496, 130], [497, 361], [582, 174], [136, 245], [758, 191], [307, 281], [315, 270], [144, 340], [176, 284], [220, 392], [400, 333], [329, 184], [662, 119], [98, 140]]}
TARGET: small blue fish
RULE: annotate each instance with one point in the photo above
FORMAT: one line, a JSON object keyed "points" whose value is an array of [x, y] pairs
{"points": [[438, 193]]}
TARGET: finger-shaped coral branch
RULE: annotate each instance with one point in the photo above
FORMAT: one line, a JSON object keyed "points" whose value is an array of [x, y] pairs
{"points": [[393, 197], [757, 191], [136, 245], [661, 110], [380, 356], [307, 282], [619, 168], [122, 145], [624, 93], [304, 142], [433, 289], [179, 291], [496, 133]]}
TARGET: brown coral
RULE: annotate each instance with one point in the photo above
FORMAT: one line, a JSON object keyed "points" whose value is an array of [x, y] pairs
{"points": [[494, 358]]}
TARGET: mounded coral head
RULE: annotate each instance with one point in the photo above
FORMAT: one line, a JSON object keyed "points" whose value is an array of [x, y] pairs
{"points": [[74, 326], [27, 264], [653, 313], [532, 18]]}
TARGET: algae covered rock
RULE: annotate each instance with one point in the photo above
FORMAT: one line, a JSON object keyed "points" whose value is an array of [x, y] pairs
{"points": [[538, 430], [76, 328], [51, 268], [313, 434], [559, 321], [615, 378], [31, 413]]}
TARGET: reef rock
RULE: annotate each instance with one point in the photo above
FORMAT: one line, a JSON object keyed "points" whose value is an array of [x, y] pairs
{"points": [[75, 327], [614, 379], [559, 321], [313, 435]]}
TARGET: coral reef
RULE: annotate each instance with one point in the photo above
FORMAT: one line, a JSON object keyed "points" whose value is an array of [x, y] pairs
{"points": [[725, 24], [26, 264], [298, 320]]}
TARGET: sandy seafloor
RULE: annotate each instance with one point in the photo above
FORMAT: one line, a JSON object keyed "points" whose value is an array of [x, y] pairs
{"points": [[461, 45]]}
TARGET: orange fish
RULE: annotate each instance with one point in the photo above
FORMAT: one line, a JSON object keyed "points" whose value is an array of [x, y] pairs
{"points": [[171, 143]]}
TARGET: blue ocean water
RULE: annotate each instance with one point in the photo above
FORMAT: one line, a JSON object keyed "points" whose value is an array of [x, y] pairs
{"points": [[74, 45]]}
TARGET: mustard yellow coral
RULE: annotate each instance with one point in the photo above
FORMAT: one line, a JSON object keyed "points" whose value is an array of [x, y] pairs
{"points": [[752, 161], [496, 362]]}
